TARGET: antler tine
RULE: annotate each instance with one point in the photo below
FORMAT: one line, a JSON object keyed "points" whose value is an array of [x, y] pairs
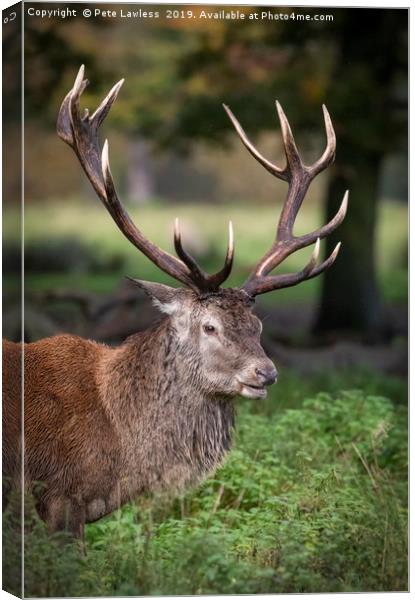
{"points": [[268, 283], [329, 153], [188, 260], [105, 106], [81, 133], [291, 152], [63, 126], [221, 276], [309, 238], [209, 282], [274, 169]]}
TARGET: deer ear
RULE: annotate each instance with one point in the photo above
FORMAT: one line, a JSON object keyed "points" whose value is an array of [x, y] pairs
{"points": [[162, 296]]}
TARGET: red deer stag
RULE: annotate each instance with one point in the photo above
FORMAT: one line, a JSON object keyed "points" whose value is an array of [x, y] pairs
{"points": [[102, 424]]}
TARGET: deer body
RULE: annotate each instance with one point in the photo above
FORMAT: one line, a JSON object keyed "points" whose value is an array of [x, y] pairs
{"points": [[136, 422], [103, 425]]}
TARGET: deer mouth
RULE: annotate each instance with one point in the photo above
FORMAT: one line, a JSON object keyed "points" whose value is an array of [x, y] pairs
{"points": [[250, 390]]}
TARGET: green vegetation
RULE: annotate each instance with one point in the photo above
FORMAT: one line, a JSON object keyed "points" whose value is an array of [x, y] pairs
{"points": [[311, 499], [85, 251]]}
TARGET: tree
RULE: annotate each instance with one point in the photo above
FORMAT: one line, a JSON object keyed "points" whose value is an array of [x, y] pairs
{"points": [[369, 91]]}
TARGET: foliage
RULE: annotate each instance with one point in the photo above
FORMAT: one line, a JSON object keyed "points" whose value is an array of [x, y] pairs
{"points": [[311, 499], [179, 69]]}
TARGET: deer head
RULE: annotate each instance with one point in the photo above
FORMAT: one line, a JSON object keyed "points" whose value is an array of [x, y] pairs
{"points": [[217, 333]]}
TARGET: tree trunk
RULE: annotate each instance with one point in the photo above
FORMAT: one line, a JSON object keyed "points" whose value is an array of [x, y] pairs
{"points": [[350, 296]]}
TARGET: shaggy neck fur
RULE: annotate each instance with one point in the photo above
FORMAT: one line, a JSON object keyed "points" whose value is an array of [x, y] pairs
{"points": [[152, 391]]}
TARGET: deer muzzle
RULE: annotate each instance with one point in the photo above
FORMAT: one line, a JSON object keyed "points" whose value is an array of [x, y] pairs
{"points": [[255, 386]]}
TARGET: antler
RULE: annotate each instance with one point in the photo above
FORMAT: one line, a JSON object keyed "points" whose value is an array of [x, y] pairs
{"points": [[81, 133], [298, 176]]}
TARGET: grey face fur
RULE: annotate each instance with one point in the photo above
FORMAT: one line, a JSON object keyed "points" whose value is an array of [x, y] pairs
{"points": [[221, 336]]}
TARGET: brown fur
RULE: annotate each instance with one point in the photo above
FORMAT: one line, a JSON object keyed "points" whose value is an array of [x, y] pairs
{"points": [[103, 425]]}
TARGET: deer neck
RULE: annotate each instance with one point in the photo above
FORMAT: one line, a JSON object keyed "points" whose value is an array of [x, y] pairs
{"points": [[152, 392]]}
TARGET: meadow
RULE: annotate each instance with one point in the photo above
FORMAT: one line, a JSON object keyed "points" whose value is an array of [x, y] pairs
{"points": [[313, 496]]}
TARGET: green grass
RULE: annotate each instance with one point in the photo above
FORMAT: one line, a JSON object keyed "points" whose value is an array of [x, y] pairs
{"points": [[311, 499], [92, 227]]}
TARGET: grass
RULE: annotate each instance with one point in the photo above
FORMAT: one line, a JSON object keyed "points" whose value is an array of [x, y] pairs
{"points": [[311, 499], [88, 225]]}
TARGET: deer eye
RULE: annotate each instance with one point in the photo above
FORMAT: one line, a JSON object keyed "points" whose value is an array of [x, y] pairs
{"points": [[209, 329]]}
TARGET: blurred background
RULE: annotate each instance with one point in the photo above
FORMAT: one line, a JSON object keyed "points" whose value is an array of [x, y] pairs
{"points": [[174, 153]]}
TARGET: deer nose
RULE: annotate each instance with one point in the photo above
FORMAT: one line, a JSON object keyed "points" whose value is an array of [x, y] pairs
{"points": [[267, 375]]}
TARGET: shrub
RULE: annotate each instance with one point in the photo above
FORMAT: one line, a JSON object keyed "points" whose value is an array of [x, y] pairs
{"points": [[309, 500]]}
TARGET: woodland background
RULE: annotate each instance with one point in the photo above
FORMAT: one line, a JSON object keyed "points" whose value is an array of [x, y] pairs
{"points": [[330, 442]]}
